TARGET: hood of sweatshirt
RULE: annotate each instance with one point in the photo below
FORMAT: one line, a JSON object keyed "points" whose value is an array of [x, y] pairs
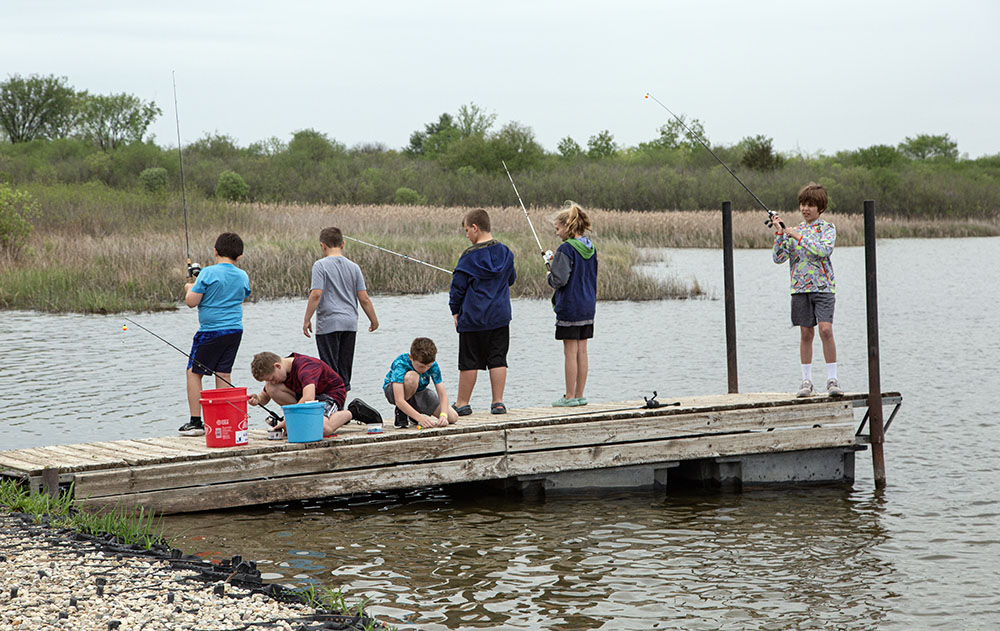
{"points": [[583, 245], [484, 261]]}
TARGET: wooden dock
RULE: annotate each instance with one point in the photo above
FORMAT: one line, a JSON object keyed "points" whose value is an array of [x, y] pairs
{"points": [[530, 447]]}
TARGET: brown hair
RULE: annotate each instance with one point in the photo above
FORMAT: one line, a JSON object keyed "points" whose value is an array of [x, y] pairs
{"points": [[478, 217], [423, 350], [262, 365], [574, 218], [331, 237], [813, 194], [229, 245]]}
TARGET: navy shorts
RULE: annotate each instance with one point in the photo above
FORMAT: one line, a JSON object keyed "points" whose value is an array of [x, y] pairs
{"points": [[214, 351], [812, 307], [482, 350], [579, 332]]}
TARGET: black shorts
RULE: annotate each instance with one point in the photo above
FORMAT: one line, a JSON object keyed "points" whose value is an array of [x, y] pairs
{"points": [[212, 352], [581, 332], [482, 350], [812, 307]]}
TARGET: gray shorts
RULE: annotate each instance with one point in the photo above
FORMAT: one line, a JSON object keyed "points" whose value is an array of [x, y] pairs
{"points": [[810, 308], [424, 401]]}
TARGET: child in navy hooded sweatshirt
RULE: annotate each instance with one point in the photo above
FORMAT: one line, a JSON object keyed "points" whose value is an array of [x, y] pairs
{"points": [[480, 303]]}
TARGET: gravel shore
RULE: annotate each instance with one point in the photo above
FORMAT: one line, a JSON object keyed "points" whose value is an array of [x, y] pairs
{"points": [[57, 579]]}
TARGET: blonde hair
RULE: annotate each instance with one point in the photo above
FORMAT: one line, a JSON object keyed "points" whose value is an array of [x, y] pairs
{"points": [[262, 365], [574, 218]]}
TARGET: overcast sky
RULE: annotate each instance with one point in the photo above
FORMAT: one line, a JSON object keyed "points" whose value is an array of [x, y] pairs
{"points": [[814, 76]]}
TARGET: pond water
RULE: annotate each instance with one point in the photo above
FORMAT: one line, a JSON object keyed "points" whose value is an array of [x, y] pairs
{"points": [[922, 554]]}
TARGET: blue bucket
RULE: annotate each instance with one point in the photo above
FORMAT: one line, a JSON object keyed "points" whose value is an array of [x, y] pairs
{"points": [[304, 421]]}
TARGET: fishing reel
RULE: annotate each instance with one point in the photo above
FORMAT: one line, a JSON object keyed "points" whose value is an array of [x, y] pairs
{"points": [[193, 270], [769, 222]]}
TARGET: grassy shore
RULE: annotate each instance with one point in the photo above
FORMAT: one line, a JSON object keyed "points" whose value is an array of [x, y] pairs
{"points": [[99, 250]]}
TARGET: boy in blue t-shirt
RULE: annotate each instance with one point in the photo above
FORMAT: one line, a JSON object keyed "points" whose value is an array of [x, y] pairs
{"points": [[218, 292], [406, 386]]}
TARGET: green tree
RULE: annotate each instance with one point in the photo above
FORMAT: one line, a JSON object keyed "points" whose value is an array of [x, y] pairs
{"points": [[36, 107], [153, 180], [569, 148], [601, 145], [314, 146], [516, 145], [16, 211], [409, 197], [114, 119], [878, 156], [759, 154], [232, 187], [673, 135], [419, 144], [926, 146], [473, 120]]}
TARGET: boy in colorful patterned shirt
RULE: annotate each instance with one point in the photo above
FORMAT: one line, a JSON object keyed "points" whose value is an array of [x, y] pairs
{"points": [[807, 248]]}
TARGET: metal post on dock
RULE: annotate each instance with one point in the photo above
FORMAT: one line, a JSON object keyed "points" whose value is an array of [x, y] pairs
{"points": [[727, 270], [874, 378]]}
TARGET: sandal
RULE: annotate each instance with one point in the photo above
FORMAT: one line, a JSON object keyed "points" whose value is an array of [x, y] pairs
{"points": [[498, 408], [464, 410]]}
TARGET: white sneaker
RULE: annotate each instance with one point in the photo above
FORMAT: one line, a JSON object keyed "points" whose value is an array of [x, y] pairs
{"points": [[805, 389], [833, 388]]}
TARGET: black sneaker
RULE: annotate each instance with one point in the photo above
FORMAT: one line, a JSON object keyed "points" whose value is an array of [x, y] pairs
{"points": [[192, 428], [364, 413], [402, 420]]}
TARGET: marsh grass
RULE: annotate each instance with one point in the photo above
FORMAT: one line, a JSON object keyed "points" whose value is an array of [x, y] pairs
{"points": [[129, 526], [101, 250]]}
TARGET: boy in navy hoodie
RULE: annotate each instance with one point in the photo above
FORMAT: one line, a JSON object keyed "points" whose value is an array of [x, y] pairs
{"points": [[480, 303]]}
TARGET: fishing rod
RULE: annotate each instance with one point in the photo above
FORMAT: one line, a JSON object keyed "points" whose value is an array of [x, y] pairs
{"points": [[770, 213], [540, 249], [402, 256], [274, 416], [193, 269]]}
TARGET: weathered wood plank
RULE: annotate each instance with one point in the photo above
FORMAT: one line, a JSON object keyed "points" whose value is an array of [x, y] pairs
{"points": [[283, 464], [10, 460], [55, 456], [320, 485], [593, 431], [602, 456]]}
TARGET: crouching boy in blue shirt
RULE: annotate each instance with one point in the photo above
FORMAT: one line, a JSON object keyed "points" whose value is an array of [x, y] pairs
{"points": [[406, 386]]}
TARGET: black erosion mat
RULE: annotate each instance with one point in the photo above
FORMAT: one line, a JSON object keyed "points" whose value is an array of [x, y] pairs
{"points": [[160, 582]]}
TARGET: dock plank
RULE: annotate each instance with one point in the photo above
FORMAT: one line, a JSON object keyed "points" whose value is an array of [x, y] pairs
{"points": [[281, 464], [602, 456], [601, 430], [318, 485]]}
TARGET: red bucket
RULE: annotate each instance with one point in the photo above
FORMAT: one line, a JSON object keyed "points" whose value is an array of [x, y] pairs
{"points": [[224, 412]]}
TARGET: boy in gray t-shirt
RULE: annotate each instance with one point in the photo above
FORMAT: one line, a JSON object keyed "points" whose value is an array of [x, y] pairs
{"points": [[337, 288]]}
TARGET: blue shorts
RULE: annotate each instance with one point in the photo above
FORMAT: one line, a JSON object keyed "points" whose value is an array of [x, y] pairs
{"points": [[214, 351]]}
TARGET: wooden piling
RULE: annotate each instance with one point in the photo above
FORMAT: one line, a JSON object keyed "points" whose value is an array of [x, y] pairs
{"points": [[730, 298], [874, 378]]}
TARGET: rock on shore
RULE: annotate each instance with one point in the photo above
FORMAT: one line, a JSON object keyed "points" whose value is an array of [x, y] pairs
{"points": [[56, 579]]}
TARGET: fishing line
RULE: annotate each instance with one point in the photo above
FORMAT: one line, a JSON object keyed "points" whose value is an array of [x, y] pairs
{"points": [[201, 365], [540, 249], [770, 213], [193, 270], [402, 256]]}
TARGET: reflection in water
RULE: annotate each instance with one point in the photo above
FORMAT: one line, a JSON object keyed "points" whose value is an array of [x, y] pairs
{"points": [[791, 558]]}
